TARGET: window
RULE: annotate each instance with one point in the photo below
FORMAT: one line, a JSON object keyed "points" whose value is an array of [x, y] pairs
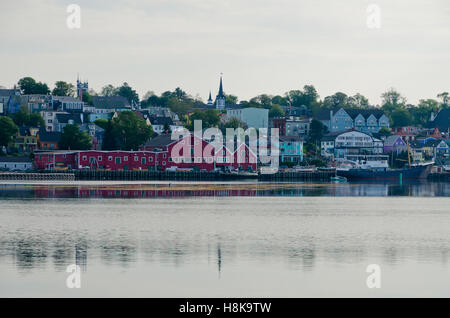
{"points": [[118, 160], [109, 158], [125, 158], [164, 156], [136, 158], [143, 160], [164, 163], [84, 158], [150, 159], [92, 159]]}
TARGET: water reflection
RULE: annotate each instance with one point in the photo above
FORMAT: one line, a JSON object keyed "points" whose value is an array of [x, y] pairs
{"points": [[177, 190]]}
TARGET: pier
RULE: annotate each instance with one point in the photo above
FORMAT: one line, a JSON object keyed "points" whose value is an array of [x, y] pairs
{"points": [[37, 176]]}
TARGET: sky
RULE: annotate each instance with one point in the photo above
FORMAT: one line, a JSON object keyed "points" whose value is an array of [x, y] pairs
{"points": [[260, 46]]}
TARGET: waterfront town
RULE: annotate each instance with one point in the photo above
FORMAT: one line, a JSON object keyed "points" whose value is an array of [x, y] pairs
{"points": [[72, 127]]}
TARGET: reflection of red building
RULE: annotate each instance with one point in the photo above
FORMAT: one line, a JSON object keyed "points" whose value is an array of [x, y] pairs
{"points": [[159, 153]]}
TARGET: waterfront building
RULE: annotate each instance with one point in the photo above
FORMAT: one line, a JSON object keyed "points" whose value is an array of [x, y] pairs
{"points": [[365, 120], [15, 163], [351, 142], [291, 149], [160, 153]]}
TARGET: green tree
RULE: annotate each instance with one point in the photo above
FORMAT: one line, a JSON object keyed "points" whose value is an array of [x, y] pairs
{"points": [[317, 130], [231, 99], [401, 117], [101, 122], [130, 94], [24, 118], [276, 111], [75, 139], [445, 99], [109, 90], [8, 129], [209, 118], [384, 131], [130, 130], [109, 139], [29, 86], [63, 89]]}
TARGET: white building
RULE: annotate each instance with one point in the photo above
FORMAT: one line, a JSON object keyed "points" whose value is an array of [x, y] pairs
{"points": [[15, 163], [252, 116]]}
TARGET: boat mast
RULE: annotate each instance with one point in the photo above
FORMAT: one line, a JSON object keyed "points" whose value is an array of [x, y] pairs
{"points": [[409, 157]]}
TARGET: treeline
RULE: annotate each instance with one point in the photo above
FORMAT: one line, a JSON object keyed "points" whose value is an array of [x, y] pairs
{"points": [[396, 107]]}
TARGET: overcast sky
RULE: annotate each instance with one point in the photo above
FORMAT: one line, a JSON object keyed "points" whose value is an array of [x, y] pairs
{"points": [[261, 46]]}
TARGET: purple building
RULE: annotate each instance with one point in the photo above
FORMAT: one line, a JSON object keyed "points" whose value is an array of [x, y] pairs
{"points": [[395, 144]]}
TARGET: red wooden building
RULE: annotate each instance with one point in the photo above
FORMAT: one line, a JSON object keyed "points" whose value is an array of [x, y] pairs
{"points": [[159, 153]]}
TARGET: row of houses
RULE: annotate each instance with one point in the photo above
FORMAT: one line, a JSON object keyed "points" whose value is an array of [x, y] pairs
{"points": [[342, 144]]}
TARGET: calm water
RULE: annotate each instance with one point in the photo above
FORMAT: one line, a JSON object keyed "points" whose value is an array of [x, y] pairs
{"points": [[214, 239]]}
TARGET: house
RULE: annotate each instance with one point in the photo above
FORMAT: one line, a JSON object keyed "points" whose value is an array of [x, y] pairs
{"points": [[441, 121], [48, 140], [291, 149], [15, 163], [110, 104], [51, 123], [364, 120], [279, 123], [297, 127], [351, 142], [408, 133], [96, 133], [160, 124], [26, 140], [38, 102], [394, 143], [9, 101], [253, 117], [64, 119], [67, 104]]}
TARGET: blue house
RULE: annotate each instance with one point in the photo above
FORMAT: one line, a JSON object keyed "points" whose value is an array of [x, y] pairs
{"points": [[365, 120], [291, 149]]}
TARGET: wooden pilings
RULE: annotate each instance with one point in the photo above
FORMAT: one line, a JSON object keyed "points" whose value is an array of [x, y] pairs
{"points": [[37, 176]]}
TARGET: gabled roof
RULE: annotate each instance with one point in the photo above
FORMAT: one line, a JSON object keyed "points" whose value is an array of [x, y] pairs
{"points": [[8, 92], [110, 102], [160, 141], [391, 140], [49, 136], [442, 120], [64, 118], [155, 120], [324, 114], [14, 159]]}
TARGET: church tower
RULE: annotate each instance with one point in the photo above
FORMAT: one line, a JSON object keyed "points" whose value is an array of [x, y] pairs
{"points": [[210, 101], [220, 98]]}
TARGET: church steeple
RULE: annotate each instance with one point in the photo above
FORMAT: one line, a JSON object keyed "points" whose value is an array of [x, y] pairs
{"points": [[220, 98], [210, 101]]}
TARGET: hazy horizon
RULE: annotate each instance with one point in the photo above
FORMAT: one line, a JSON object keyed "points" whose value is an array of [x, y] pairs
{"points": [[264, 46]]}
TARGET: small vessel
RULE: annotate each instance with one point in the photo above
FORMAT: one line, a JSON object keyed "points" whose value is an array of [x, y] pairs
{"points": [[338, 179]]}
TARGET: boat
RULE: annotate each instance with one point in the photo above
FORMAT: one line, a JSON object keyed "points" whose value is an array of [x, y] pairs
{"points": [[304, 168], [338, 179], [362, 167]]}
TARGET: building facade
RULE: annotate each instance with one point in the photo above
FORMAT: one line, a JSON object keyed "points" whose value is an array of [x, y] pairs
{"points": [[365, 120]]}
